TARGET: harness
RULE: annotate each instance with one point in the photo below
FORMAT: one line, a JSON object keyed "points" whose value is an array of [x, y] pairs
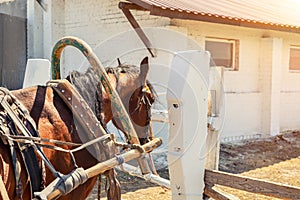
{"points": [[144, 100], [16, 121], [86, 119], [18, 130]]}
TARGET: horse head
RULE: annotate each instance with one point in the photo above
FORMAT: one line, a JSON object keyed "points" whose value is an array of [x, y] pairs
{"points": [[137, 95]]}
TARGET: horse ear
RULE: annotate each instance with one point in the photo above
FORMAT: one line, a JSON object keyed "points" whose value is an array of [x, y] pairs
{"points": [[144, 69], [119, 62]]}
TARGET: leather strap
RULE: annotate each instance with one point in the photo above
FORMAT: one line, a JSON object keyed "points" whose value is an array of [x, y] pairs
{"points": [[85, 118]]}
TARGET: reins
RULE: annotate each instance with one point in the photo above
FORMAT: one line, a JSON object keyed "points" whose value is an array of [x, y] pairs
{"points": [[143, 100], [38, 141]]}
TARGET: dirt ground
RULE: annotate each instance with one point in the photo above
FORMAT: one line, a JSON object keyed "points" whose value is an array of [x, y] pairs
{"points": [[275, 159]]}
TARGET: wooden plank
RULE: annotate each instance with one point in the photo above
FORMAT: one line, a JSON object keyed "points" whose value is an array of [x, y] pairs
{"points": [[253, 185], [217, 194]]}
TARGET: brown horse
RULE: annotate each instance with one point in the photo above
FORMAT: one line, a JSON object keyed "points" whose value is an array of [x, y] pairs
{"points": [[55, 121]]}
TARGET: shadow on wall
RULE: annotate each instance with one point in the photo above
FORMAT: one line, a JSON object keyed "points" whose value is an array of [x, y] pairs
{"points": [[15, 8]]}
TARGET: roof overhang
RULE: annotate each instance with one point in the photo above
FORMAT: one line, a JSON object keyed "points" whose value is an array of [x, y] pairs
{"points": [[177, 13]]}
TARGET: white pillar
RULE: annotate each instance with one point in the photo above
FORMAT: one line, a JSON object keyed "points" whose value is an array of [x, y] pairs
{"points": [[44, 27], [187, 109], [270, 84], [47, 31], [54, 25], [34, 29]]}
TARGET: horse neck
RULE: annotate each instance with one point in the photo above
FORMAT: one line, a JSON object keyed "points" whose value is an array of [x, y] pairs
{"points": [[106, 111]]}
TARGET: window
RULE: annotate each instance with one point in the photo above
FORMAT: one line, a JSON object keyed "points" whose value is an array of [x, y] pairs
{"points": [[294, 58], [224, 52]]}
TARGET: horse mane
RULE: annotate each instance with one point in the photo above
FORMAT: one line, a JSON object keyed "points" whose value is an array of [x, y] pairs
{"points": [[129, 70], [89, 86]]}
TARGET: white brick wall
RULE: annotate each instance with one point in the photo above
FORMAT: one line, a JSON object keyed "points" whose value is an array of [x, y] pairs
{"points": [[290, 88], [244, 88], [95, 21]]}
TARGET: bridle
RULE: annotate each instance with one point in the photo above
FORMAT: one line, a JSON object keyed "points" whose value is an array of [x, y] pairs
{"points": [[144, 100]]}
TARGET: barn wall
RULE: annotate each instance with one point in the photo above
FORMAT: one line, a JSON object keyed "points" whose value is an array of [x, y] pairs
{"points": [[245, 96], [242, 92], [290, 88]]}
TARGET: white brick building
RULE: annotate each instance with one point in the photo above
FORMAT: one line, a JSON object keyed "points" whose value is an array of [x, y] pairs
{"points": [[262, 89]]}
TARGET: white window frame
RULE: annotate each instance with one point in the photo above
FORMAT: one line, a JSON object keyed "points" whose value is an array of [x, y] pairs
{"points": [[293, 47], [235, 51]]}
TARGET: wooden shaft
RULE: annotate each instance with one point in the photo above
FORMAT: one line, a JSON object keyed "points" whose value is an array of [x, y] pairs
{"points": [[106, 165], [3, 191]]}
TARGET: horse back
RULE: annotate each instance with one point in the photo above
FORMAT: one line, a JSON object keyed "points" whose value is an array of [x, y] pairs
{"points": [[55, 121]]}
